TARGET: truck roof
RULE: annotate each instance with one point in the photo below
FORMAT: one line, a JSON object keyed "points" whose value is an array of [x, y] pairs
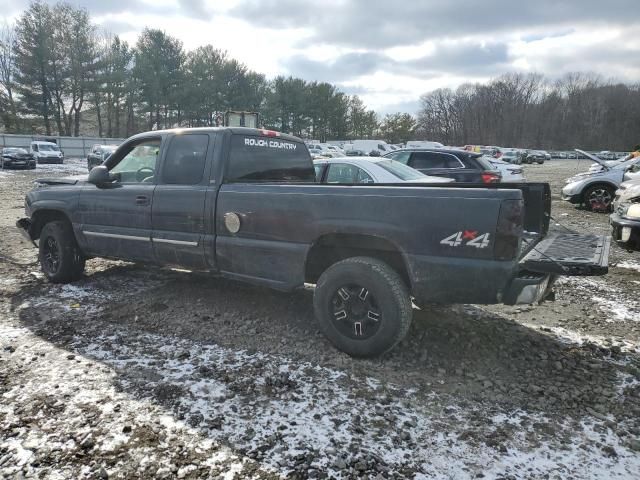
{"points": [[235, 130]]}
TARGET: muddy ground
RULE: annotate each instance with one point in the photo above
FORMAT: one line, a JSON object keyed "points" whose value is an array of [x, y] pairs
{"points": [[139, 372]]}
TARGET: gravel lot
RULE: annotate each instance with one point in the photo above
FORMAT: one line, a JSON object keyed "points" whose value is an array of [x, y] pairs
{"points": [[148, 373]]}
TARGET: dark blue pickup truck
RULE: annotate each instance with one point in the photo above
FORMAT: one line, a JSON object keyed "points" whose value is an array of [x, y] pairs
{"points": [[243, 204]]}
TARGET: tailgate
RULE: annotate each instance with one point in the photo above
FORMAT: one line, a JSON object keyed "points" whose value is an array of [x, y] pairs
{"points": [[569, 254]]}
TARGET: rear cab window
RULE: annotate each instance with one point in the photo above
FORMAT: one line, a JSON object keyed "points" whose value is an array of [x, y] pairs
{"points": [[185, 159], [255, 158]]}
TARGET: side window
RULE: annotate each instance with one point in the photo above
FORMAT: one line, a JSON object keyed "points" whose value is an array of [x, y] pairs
{"points": [[342, 173], [185, 160], [319, 168], [423, 160], [363, 177], [450, 161], [35, 147], [139, 163], [402, 157], [381, 147], [268, 159], [426, 160]]}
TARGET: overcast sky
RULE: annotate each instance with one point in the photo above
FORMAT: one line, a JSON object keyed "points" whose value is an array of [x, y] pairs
{"points": [[390, 52]]}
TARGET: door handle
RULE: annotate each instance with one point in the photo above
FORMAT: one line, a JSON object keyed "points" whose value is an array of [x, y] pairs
{"points": [[142, 200]]}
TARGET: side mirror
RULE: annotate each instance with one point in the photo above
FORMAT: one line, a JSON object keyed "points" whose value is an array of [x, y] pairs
{"points": [[99, 175]]}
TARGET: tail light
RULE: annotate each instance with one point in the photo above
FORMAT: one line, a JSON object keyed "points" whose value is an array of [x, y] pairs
{"points": [[269, 133], [491, 177], [509, 229]]}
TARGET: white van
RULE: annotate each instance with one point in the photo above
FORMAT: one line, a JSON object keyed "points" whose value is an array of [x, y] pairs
{"points": [[368, 146], [423, 144], [46, 152]]}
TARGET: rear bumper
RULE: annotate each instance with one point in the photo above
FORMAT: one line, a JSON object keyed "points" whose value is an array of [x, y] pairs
{"points": [[625, 232], [464, 280]]}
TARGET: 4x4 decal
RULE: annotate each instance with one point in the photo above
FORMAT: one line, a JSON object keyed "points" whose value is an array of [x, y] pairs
{"points": [[470, 238]]}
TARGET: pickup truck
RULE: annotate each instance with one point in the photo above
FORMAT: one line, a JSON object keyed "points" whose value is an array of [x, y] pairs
{"points": [[243, 204]]}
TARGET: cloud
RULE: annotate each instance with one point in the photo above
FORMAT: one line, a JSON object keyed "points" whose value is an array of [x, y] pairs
{"points": [[384, 24], [468, 58], [188, 8]]}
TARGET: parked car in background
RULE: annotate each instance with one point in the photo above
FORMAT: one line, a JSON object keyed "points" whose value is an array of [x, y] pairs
{"points": [[535, 156], [632, 173], [333, 149], [423, 144], [596, 190], [491, 151], [369, 146], [46, 152], [318, 151], [369, 170], [510, 173], [512, 155], [355, 153], [625, 219], [14, 157], [461, 165], [98, 154]]}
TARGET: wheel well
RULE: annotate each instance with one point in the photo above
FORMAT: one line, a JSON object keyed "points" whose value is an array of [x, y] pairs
{"points": [[41, 217], [333, 248], [599, 184]]}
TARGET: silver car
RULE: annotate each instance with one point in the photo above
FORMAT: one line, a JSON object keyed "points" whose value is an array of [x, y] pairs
{"points": [[370, 170], [596, 189]]}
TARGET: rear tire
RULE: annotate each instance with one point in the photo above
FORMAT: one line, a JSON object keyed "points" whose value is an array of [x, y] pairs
{"points": [[60, 257], [363, 306]]}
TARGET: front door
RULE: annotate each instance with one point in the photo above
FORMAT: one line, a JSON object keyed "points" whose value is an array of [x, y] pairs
{"points": [[115, 219], [178, 212]]}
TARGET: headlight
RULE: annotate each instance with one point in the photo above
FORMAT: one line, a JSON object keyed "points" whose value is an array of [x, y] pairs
{"points": [[633, 211]]}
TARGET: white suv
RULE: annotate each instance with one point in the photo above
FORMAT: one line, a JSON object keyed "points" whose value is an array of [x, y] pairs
{"points": [[596, 189]]}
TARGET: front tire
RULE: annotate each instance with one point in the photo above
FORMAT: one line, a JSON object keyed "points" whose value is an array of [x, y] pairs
{"points": [[363, 306], [60, 257], [598, 198]]}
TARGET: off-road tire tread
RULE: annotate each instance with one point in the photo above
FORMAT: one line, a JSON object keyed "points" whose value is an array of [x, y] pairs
{"points": [[73, 267], [397, 287]]}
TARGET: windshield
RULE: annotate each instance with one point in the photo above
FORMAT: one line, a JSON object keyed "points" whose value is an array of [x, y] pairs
{"points": [[400, 170], [44, 147], [14, 150]]}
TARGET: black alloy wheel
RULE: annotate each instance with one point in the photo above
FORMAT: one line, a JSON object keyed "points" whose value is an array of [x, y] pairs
{"points": [[355, 312], [51, 256]]}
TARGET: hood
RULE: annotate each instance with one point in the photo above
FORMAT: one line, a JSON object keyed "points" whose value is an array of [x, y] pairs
{"points": [[62, 180], [594, 158]]}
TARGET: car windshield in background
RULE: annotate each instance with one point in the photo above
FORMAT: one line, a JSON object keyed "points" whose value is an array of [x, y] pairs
{"points": [[14, 150], [400, 170], [48, 148]]}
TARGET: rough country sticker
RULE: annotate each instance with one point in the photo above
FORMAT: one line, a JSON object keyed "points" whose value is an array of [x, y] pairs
{"points": [[469, 238], [261, 142]]}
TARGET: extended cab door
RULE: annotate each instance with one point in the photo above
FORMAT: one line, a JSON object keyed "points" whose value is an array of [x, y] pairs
{"points": [[178, 212], [115, 218]]}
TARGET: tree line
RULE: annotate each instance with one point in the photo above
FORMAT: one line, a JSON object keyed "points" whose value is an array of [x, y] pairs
{"points": [[528, 111], [59, 72]]}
